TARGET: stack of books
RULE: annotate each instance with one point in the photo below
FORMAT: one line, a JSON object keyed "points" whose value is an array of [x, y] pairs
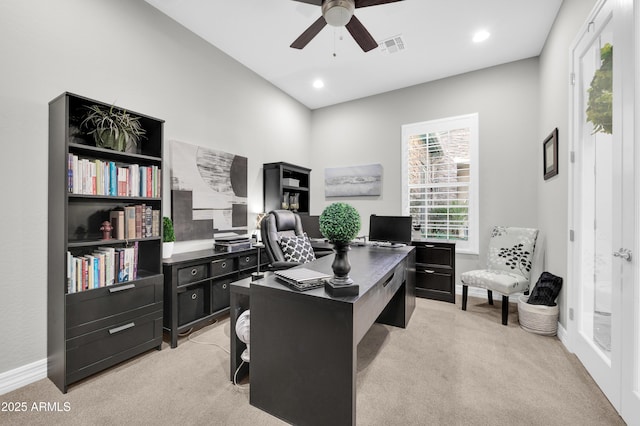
{"points": [[232, 244]]}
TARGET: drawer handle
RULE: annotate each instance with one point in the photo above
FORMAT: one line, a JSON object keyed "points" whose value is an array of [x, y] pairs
{"points": [[389, 280], [247, 259], [429, 271], [194, 272], [122, 328], [194, 296], [224, 286], [223, 265], [429, 245], [122, 288]]}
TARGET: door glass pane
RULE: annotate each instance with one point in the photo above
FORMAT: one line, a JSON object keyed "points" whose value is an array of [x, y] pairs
{"points": [[598, 203]]}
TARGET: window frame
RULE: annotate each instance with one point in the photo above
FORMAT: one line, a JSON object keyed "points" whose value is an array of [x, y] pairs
{"points": [[470, 121]]}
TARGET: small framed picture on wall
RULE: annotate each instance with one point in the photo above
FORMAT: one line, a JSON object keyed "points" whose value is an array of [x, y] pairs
{"points": [[550, 155]]}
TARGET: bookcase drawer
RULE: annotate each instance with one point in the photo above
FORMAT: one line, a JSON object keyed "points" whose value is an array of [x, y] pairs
{"points": [[88, 309], [192, 274], [223, 266], [248, 261], [87, 351]]}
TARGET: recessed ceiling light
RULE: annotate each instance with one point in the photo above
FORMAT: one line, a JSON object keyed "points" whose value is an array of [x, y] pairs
{"points": [[318, 84], [480, 36]]}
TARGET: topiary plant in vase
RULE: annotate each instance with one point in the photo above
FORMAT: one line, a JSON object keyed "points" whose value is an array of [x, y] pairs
{"points": [[168, 237], [340, 223]]}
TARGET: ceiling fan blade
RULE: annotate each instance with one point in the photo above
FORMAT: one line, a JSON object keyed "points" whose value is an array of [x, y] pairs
{"points": [[316, 2], [361, 35], [367, 3], [309, 33]]}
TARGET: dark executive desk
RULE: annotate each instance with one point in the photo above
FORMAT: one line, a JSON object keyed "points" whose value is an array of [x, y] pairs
{"points": [[304, 345]]}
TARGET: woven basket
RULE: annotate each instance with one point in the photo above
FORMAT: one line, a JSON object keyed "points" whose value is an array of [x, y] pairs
{"points": [[539, 319]]}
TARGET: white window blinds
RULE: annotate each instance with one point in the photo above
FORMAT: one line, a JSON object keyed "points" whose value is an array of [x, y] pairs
{"points": [[439, 183]]}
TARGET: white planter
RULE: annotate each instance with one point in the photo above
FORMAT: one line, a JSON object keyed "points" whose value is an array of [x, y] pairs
{"points": [[167, 250], [539, 319]]}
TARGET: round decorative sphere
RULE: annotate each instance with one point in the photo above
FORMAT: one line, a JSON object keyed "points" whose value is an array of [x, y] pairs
{"points": [[340, 223]]}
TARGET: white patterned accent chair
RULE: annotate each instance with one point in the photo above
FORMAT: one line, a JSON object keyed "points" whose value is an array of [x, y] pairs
{"points": [[510, 260]]}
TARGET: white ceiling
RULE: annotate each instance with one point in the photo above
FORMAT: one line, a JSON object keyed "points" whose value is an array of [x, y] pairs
{"points": [[437, 34]]}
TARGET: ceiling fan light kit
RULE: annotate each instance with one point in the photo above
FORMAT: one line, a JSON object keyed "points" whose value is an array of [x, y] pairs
{"points": [[339, 13]]}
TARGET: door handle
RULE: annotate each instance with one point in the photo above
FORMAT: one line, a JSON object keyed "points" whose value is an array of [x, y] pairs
{"points": [[623, 254]]}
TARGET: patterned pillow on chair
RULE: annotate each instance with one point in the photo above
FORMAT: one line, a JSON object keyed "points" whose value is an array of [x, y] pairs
{"points": [[511, 250], [297, 249]]}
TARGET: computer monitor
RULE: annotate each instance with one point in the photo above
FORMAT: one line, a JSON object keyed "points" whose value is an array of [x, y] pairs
{"points": [[311, 225], [391, 229]]}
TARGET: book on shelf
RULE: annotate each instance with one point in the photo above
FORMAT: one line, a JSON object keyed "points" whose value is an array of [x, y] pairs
{"points": [[155, 223], [130, 222], [116, 217], [148, 221], [97, 177], [104, 267], [138, 219]]}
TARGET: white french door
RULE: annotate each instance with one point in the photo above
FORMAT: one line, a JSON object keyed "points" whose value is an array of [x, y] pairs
{"points": [[604, 321]]}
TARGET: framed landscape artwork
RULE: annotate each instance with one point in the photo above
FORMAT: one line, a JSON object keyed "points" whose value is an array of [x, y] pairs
{"points": [[353, 181]]}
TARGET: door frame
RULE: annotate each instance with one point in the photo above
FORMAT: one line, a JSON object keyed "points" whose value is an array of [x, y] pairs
{"points": [[625, 298]]}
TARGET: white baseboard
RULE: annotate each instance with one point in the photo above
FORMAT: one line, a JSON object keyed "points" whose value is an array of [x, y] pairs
{"points": [[482, 293], [22, 376], [564, 338]]}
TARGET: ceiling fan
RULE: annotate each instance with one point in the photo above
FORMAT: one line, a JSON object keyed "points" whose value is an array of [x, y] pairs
{"points": [[339, 13]]}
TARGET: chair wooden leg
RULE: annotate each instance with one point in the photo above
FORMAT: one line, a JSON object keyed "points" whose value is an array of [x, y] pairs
{"points": [[490, 296], [505, 309], [465, 289]]}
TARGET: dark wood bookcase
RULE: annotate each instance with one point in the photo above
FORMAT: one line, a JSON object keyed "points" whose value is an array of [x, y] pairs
{"points": [[93, 329], [275, 182]]}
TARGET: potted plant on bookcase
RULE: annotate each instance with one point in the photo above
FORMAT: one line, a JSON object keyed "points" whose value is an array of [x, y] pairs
{"points": [[340, 223], [112, 128], [168, 237]]}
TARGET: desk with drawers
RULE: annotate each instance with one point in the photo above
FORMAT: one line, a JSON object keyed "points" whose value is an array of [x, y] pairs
{"points": [[304, 344]]}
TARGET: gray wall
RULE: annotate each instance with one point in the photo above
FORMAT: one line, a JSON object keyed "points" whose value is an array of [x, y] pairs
{"points": [[208, 99], [161, 70], [553, 194], [368, 131]]}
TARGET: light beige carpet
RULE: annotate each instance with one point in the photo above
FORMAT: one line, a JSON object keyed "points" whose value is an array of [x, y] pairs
{"points": [[449, 367]]}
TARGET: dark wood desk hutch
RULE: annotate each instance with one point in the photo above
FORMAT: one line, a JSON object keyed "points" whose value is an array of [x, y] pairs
{"points": [[284, 178], [95, 323], [197, 284], [436, 269]]}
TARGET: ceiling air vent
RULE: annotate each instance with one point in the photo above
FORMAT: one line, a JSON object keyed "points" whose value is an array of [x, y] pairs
{"points": [[394, 44]]}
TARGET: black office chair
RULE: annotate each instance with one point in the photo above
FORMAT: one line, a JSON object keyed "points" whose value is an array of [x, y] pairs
{"points": [[284, 240]]}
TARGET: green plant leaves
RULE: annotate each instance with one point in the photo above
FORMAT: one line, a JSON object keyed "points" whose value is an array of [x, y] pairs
{"points": [[600, 104], [340, 223]]}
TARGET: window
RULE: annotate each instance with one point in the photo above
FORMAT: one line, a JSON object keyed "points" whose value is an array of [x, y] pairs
{"points": [[440, 179]]}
